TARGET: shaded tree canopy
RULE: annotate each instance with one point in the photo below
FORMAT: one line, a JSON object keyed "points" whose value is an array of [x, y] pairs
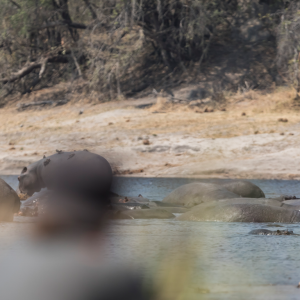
{"points": [[121, 47]]}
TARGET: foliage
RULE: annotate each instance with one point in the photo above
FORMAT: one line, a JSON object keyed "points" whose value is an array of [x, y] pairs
{"points": [[121, 47], [288, 39]]}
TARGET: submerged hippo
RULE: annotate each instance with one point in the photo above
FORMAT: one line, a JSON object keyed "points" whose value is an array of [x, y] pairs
{"points": [[79, 172], [242, 210], [270, 232], [9, 202]]}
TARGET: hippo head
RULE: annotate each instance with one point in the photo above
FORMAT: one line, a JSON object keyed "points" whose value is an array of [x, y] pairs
{"points": [[29, 181]]}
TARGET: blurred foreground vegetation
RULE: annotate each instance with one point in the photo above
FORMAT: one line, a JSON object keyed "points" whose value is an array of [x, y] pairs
{"points": [[119, 48]]}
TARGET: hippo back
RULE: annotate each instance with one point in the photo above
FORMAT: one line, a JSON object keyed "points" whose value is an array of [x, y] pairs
{"points": [[244, 189], [81, 172], [241, 212], [291, 204], [193, 194]]}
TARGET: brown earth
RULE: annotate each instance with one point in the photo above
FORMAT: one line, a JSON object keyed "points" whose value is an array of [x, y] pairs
{"points": [[252, 135]]}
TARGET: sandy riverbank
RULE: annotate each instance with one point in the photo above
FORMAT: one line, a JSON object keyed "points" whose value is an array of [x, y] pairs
{"points": [[183, 141]]}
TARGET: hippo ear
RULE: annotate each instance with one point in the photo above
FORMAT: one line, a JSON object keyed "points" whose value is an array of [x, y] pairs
{"points": [[24, 170]]}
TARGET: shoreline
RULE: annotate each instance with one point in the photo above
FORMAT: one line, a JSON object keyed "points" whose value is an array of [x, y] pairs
{"points": [[246, 141], [213, 176]]}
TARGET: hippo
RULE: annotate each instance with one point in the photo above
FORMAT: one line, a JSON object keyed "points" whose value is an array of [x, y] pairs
{"points": [[196, 193], [124, 203], [244, 189], [34, 205], [78, 172], [128, 206], [292, 204], [242, 210], [37, 205], [114, 198], [9, 202], [130, 203], [192, 194], [270, 232], [157, 213], [172, 208], [264, 201]]}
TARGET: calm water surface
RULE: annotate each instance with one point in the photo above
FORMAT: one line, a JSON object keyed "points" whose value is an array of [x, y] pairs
{"points": [[214, 260]]}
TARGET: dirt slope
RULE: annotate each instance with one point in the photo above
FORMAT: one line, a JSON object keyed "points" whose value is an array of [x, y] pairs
{"points": [[175, 140]]}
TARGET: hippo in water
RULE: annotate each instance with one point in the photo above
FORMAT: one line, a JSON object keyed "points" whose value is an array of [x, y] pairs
{"points": [[81, 172], [196, 193], [34, 205], [242, 210], [244, 189], [291, 203], [120, 207], [9, 202]]}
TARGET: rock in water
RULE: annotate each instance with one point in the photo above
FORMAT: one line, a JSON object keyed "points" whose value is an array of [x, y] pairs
{"points": [[9, 202]]}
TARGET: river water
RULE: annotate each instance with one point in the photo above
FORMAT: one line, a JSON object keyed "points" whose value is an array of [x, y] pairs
{"points": [[197, 260]]}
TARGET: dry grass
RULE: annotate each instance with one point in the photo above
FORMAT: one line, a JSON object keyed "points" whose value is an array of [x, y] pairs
{"points": [[262, 114], [118, 126]]}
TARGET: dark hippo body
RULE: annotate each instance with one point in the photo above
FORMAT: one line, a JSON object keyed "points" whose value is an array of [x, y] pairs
{"points": [[35, 205], [270, 232], [244, 189], [79, 172], [9, 202], [242, 210]]}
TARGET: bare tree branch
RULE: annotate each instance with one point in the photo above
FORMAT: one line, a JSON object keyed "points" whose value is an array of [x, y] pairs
{"points": [[15, 4], [43, 67], [28, 68], [62, 23], [23, 72], [76, 63], [89, 6]]}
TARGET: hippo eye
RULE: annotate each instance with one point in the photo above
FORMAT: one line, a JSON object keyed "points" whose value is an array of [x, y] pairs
{"points": [[24, 170]]}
